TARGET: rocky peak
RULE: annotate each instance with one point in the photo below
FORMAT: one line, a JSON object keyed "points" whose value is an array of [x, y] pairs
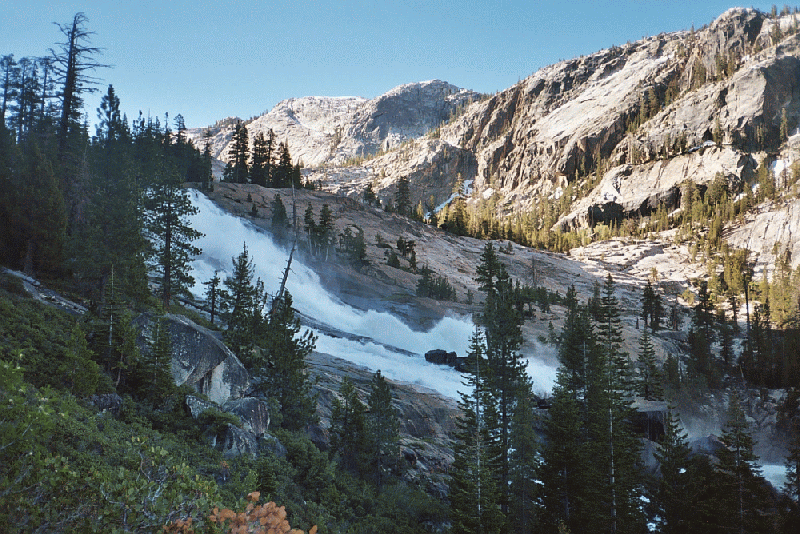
{"points": [[322, 129]]}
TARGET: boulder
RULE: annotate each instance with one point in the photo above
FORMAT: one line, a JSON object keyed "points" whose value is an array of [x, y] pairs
{"points": [[270, 443], [441, 357], [254, 413], [197, 405], [708, 445], [107, 402], [199, 358], [238, 441]]}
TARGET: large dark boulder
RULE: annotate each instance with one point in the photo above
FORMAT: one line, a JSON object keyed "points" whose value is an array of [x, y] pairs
{"points": [[199, 358], [442, 357], [239, 441], [252, 436], [254, 414]]}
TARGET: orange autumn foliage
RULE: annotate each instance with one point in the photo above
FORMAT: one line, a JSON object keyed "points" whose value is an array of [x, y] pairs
{"points": [[268, 518]]}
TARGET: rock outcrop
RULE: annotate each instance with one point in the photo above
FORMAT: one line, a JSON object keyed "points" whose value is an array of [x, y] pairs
{"points": [[235, 440], [254, 414], [638, 190], [199, 358], [775, 224], [239, 441]]}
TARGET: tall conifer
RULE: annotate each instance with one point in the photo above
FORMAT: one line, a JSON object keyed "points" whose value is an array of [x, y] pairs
{"points": [[670, 499], [741, 493], [283, 371], [474, 495], [168, 207]]}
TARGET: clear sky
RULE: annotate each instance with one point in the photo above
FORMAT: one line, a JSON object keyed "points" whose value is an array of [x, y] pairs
{"points": [[210, 59]]}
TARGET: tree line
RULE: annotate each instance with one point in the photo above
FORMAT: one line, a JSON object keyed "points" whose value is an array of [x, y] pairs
{"points": [[268, 163]]}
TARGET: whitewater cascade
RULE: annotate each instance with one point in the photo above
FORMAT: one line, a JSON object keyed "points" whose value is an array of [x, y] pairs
{"points": [[375, 340]]}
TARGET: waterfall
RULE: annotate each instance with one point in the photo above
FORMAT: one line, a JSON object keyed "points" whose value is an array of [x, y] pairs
{"points": [[376, 340]]}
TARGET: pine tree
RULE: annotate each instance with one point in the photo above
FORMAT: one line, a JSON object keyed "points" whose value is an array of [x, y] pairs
{"points": [[455, 220], [524, 465], [154, 371], [613, 445], [652, 307], [349, 440], [324, 230], [725, 333], [280, 220], [575, 337], [240, 300], [23, 110], [261, 168], [565, 466], [213, 295], [792, 485], [649, 385], [7, 64], [72, 64], [741, 490], [122, 356], [369, 195], [402, 197], [353, 246], [167, 208], [40, 218], [594, 303], [80, 373], [110, 236], [503, 339], [238, 155], [310, 226], [502, 323], [701, 336], [672, 454], [383, 426], [282, 174], [487, 269], [282, 372], [207, 182], [474, 496]]}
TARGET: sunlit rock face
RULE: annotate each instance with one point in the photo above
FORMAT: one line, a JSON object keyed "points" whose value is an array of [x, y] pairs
{"points": [[551, 131], [331, 129], [199, 358]]}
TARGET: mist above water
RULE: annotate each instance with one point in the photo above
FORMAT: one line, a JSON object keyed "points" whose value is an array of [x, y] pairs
{"points": [[383, 341]]}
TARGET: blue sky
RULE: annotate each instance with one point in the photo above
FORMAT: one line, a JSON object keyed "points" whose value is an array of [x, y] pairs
{"points": [[209, 59]]}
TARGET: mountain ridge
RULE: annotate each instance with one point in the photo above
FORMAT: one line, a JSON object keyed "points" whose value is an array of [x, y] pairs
{"points": [[331, 129]]}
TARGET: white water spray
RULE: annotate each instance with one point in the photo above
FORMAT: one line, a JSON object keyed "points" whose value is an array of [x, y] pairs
{"points": [[384, 341]]}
